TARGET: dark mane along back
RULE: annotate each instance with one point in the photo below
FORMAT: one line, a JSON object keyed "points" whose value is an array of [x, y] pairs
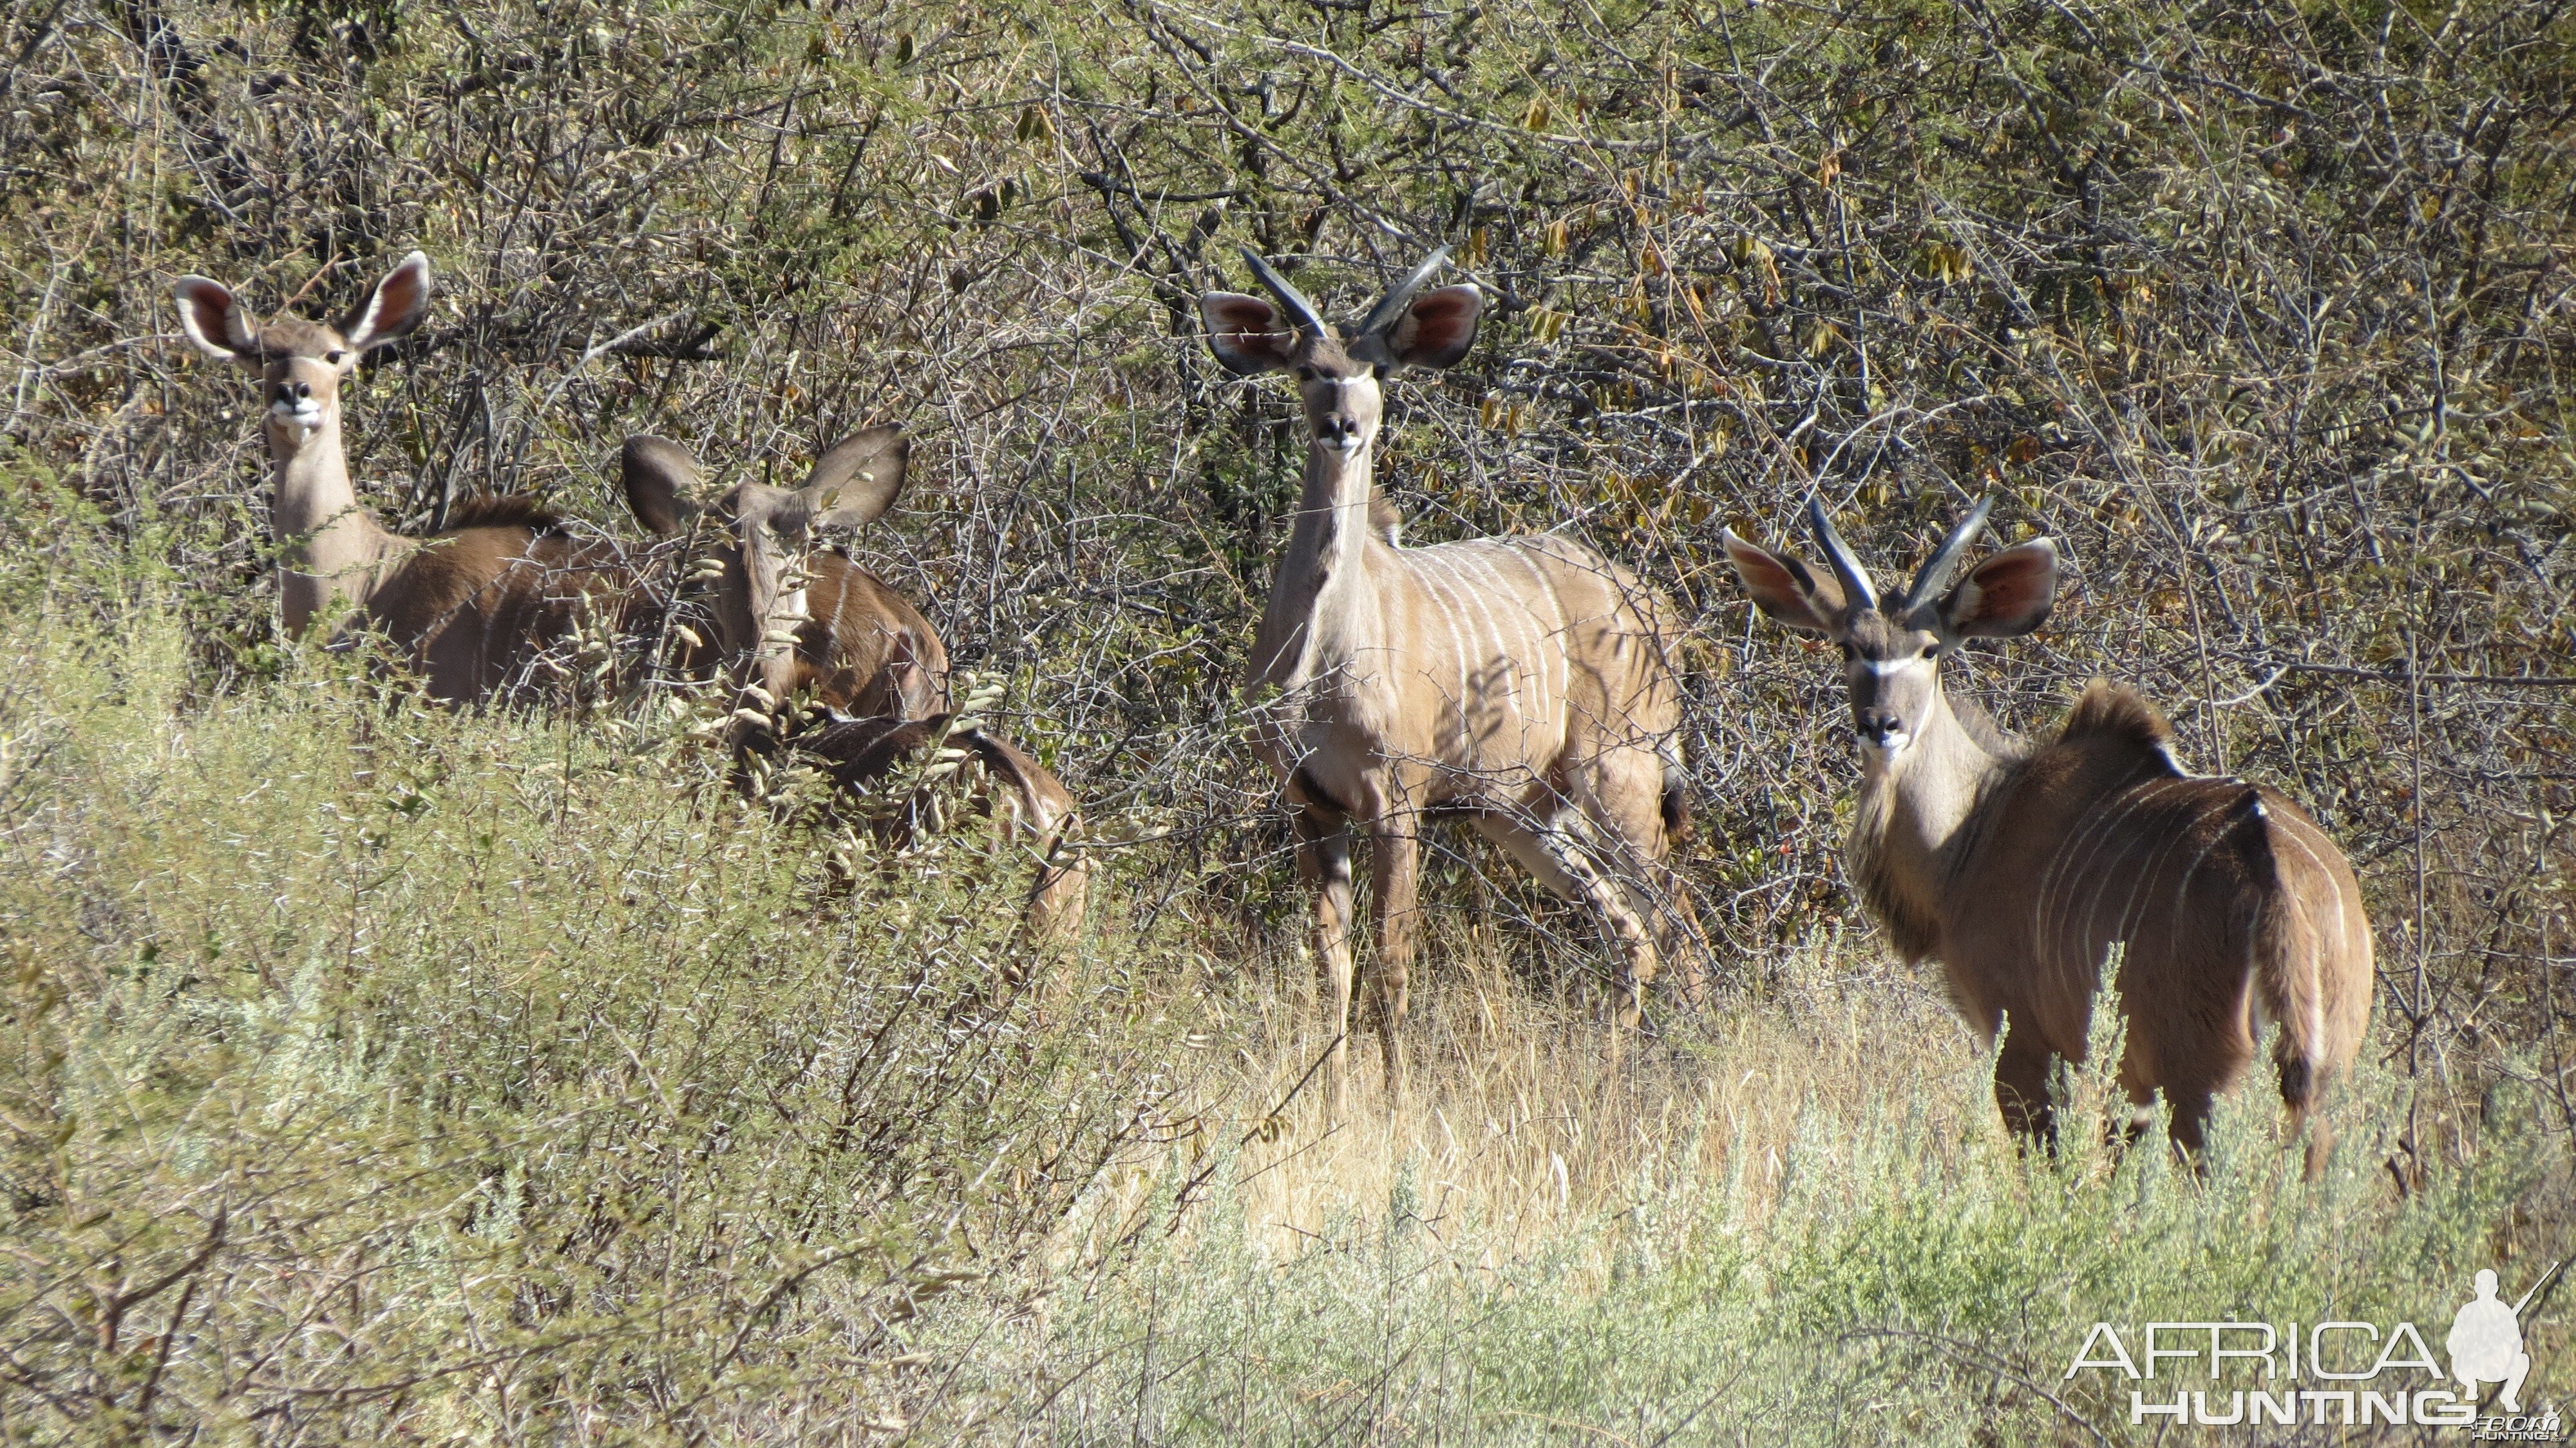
{"points": [[2110, 711], [515, 510]]}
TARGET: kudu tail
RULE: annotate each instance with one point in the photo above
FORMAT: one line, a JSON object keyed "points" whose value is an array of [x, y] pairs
{"points": [[2296, 946], [1676, 803]]}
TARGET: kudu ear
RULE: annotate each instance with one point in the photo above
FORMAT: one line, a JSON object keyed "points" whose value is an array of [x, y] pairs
{"points": [[1785, 588], [659, 476], [856, 479], [1437, 329], [1247, 334], [392, 307], [214, 321], [2004, 597]]}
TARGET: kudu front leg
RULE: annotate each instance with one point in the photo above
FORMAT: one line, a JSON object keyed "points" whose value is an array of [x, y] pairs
{"points": [[1324, 859], [1396, 875]]}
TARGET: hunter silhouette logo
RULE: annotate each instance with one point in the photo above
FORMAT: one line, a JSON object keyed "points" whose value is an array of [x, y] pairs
{"points": [[2486, 1342], [2334, 1373]]}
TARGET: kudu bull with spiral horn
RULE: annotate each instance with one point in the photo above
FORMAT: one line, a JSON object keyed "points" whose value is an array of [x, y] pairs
{"points": [[1521, 681], [2021, 867]]}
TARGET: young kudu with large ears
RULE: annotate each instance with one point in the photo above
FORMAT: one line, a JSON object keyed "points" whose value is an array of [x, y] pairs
{"points": [[474, 607], [2021, 867], [1522, 681], [798, 618]]}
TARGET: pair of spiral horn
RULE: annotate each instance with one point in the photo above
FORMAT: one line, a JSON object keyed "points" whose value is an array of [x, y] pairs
{"points": [[1928, 583], [1380, 319]]}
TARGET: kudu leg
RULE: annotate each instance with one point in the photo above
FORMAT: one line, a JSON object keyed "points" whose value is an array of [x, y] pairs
{"points": [[1560, 862], [2021, 1089], [1324, 859], [1395, 878], [1622, 795]]}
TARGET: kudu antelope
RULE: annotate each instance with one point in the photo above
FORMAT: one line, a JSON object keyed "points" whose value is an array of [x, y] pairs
{"points": [[801, 618], [472, 607], [802, 621], [2021, 867], [1521, 681]]}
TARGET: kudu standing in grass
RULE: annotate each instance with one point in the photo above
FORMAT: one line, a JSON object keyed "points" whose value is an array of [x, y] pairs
{"points": [[1522, 681], [473, 607], [801, 619], [2021, 867]]}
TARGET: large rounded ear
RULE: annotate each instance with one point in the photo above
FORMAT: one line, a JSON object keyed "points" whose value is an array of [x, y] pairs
{"points": [[856, 479], [1437, 329], [393, 306], [659, 476], [1785, 588], [214, 321], [2004, 597], [1247, 334]]}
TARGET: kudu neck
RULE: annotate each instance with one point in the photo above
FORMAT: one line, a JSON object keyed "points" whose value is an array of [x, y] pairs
{"points": [[1915, 819], [1938, 776], [331, 542], [1332, 510]]}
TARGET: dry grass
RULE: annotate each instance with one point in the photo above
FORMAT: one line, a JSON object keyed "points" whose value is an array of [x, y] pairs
{"points": [[368, 1073]]}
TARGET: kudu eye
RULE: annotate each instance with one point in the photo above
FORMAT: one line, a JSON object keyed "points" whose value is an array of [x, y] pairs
{"points": [[333, 356], [1305, 374]]}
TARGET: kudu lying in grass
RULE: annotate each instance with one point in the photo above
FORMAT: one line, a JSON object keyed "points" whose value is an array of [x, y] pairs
{"points": [[2022, 867], [798, 618], [811, 629], [475, 607], [1521, 681]]}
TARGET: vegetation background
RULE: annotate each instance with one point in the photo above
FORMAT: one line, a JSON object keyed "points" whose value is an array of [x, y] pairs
{"points": [[376, 1074]]}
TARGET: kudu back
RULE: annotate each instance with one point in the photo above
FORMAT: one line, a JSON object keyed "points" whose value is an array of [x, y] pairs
{"points": [[1521, 681], [887, 772], [2022, 868], [799, 619], [476, 608]]}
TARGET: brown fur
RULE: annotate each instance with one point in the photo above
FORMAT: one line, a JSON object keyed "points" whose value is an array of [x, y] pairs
{"points": [[1523, 682], [1031, 806], [479, 608], [2024, 870], [508, 510], [2229, 906], [866, 650]]}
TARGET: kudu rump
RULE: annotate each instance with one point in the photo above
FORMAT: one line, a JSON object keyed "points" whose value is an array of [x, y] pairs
{"points": [[1520, 680], [473, 607], [2020, 867]]}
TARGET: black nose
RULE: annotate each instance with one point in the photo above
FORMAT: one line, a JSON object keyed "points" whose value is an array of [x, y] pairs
{"points": [[1877, 725], [1338, 429]]}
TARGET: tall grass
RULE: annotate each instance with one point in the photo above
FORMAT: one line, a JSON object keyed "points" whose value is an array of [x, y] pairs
{"points": [[377, 1073]]}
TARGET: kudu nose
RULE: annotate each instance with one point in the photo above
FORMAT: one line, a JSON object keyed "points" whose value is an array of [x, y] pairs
{"points": [[1877, 725], [1338, 431]]}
